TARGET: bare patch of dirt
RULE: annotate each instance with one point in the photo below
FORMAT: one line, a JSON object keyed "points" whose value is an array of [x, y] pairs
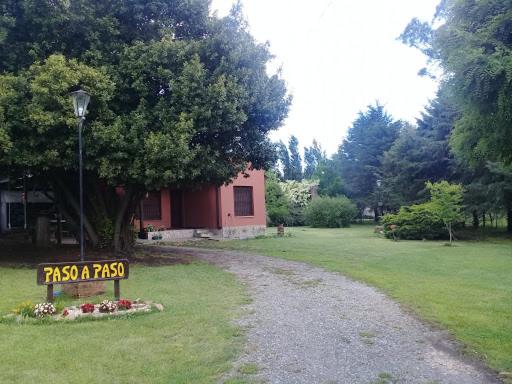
{"points": [[16, 252], [155, 258]]}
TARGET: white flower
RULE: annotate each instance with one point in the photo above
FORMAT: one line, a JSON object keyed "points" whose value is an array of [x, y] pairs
{"points": [[43, 309]]}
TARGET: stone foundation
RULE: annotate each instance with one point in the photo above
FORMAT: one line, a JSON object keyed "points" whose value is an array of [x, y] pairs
{"points": [[84, 289], [242, 232], [172, 234]]}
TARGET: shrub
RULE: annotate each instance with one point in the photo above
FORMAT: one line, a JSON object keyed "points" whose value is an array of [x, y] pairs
{"points": [[276, 201], [415, 222], [25, 309], [296, 217], [330, 212], [435, 219]]}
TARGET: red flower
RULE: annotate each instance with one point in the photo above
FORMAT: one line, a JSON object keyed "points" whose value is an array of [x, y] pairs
{"points": [[124, 304], [65, 313], [87, 308]]}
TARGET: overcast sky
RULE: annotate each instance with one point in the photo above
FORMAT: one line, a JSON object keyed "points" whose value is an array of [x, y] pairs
{"points": [[337, 57]]}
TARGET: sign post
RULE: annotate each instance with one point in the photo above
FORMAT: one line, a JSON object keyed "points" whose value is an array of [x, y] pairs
{"points": [[82, 272]]}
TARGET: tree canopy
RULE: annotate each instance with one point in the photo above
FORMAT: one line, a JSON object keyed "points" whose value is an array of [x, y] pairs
{"points": [[421, 153], [472, 45], [360, 155], [178, 97], [314, 155]]}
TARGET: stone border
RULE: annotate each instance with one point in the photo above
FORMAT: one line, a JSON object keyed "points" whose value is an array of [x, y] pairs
{"points": [[74, 313]]}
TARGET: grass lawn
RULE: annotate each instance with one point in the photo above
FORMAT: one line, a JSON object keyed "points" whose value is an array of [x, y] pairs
{"points": [[467, 288], [192, 341]]}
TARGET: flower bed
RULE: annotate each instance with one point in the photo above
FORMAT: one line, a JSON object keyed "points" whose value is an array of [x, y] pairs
{"points": [[104, 309]]}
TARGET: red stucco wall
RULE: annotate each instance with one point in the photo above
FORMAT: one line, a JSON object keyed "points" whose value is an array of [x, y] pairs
{"points": [[256, 179], [165, 212], [200, 208]]}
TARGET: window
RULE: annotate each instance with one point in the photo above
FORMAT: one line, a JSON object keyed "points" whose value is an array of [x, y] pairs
{"points": [[243, 201], [151, 206]]}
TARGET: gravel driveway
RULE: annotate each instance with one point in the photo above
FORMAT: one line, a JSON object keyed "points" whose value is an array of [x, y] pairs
{"points": [[307, 325]]}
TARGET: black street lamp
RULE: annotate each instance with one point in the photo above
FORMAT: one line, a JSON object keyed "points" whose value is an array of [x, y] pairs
{"points": [[80, 102]]}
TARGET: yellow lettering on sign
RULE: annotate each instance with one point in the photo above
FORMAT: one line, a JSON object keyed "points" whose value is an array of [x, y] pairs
{"points": [[48, 271], [97, 269], [105, 272], [65, 273], [56, 275], [120, 270], [113, 270], [85, 272], [74, 272]]}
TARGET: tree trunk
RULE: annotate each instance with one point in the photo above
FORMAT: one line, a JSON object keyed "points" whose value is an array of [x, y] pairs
{"points": [[70, 199], [376, 214], [509, 220], [483, 218], [476, 222], [123, 235]]}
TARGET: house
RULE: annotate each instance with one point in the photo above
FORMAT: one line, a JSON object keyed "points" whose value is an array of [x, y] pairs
{"points": [[235, 210], [18, 214]]}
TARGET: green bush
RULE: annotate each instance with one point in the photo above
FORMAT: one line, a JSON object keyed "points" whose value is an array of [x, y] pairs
{"points": [[25, 309], [416, 222], [276, 201], [330, 212], [295, 216]]}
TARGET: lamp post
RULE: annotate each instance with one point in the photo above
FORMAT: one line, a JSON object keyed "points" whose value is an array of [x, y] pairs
{"points": [[80, 102]]}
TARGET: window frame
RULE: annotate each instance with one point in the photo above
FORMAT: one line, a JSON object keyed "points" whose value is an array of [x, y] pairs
{"points": [[155, 217], [237, 201]]}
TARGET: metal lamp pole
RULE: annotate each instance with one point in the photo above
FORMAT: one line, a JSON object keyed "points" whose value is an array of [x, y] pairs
{"points": [[81, 182], [80, 102]]}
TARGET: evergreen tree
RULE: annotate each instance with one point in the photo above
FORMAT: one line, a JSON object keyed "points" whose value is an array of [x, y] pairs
{"points": [[421, 154], [313, 157], [295, 172], [470, 40], [328, 173], [283, 155], [360, 155]]}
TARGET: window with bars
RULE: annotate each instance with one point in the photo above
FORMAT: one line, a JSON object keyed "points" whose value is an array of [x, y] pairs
{"points": [[151, 206], [243, 201]]}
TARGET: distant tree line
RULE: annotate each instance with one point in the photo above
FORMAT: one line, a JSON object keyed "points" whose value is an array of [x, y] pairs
{"points": [[463, 137]]}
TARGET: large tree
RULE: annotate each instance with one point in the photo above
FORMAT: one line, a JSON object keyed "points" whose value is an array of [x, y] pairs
{"points": [[295, 159], [179, 97], [421, 154], [313, 157], [471, 42], [283, 164], [360, 155]]}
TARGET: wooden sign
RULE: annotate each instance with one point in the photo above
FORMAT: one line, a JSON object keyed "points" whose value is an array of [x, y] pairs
{"points": [[79, 272]]}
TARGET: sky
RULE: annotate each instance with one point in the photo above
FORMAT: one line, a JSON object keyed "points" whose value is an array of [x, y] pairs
{"points": [[339, 56]]}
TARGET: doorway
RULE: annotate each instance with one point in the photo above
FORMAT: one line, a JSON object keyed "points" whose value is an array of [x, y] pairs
{"points": [[177, 209]]}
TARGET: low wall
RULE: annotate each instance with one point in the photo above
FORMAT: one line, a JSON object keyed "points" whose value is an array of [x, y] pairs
{"points": [[242, 232], [173, 234]]}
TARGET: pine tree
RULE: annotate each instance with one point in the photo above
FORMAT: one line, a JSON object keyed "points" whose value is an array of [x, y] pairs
{"points": [[295, 159]]}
